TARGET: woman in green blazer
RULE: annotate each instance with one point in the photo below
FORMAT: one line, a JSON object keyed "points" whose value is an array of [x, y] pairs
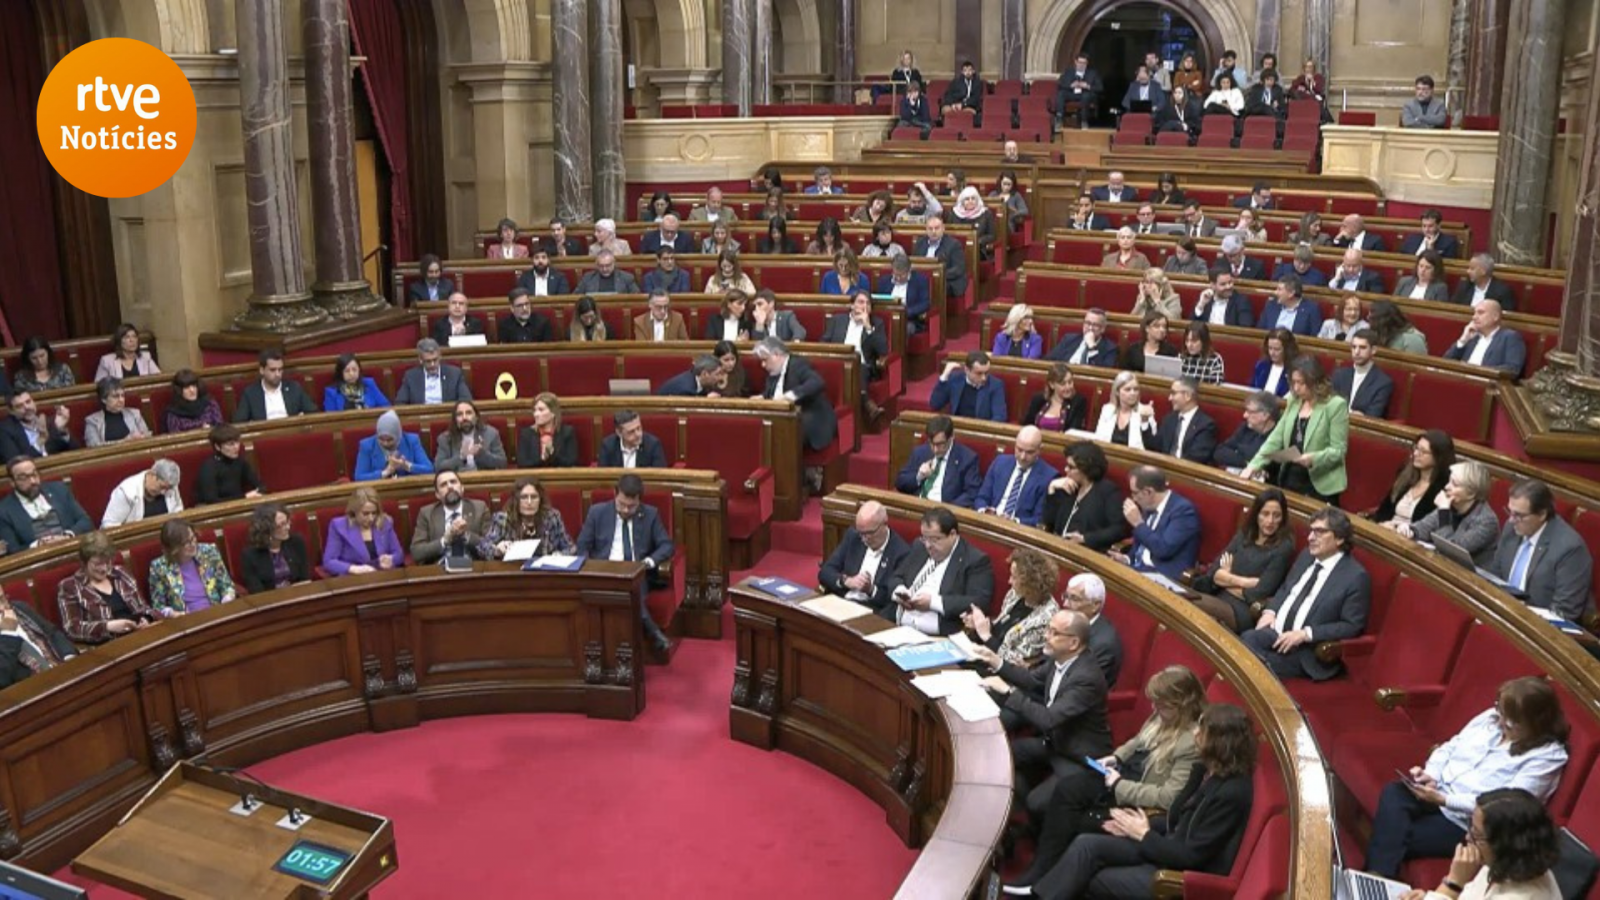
{"points": [[1317, 421]]}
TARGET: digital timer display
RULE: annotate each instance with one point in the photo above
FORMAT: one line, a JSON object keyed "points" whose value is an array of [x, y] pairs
{"points": [[315, 863]]}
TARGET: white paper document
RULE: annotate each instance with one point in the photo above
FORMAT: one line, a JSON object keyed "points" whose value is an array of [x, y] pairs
{"points": [[469, 340], [973, 704], [961, 640], [1165, 582], [521, 550], [898, 636], [561, 560], [946, 682], [836, 608]]}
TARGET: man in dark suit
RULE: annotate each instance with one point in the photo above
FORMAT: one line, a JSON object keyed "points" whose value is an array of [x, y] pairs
{"points": [[631, 447], [1063, 699], [1144, 94], [914, 109], [938, 245], [1353, 233], [1115, 190], [1362, 384], [912, 289], [630, 530], [1081, 85], [941, 578], [452, 525], [1166, 527], [968, 390], [271, 397], [667, 234], [29, 642], [1195, 222], [1542, 556], [1187, 432], [1480, 285], [1260, 416], [1085, 218], [38, 513], [27, 433], [705, 378], [1086, 596], [431, 380], [861, 566], [1325, 598], [522, 325], [1239, 265], [1303, 265], [1089, 347], [1431, 237], [667, 275], [1260, 197], [1220, 304], [867, 334], [540, 279], [941, 470], [965, 91], [559, 243], [1266, 98], [791, 378], [432, 285], [1485, 342], [1353, 275], [457, 322], [1015, 485]]}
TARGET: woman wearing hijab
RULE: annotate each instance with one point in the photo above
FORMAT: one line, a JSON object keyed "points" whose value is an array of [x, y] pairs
{"points": [[391, 453]]}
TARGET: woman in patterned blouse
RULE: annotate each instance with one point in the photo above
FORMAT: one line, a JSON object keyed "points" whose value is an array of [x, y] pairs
{"points": [[526, 517], [1200, 362], [1018, 634]]}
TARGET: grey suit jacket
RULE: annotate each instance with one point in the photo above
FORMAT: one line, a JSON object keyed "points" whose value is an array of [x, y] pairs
{"points": [[447, 450], [1436, 290], [414, 389], [426, 546], [1560, 574]]}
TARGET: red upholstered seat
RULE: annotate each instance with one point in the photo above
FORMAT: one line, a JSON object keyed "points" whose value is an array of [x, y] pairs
{"points": [[1172, 139], [298, 460], [1269, 806], [727, 450], [1358, 118], [578, 375], [41, 589]]}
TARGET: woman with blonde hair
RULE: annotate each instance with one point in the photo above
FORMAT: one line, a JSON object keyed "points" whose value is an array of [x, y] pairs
{"points": [[1126, 419], [547, 443], [1017, 337], [1157, 293], [846, 277], [1462, 514], [1018, 633]]}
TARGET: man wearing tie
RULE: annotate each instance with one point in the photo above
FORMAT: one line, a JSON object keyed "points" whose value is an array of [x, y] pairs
{"points": [[1015, 485], [867, 555], [29, 642], [1431, 237], [630, 530], [1166, 528], [1090, 347], [1541, 556], [1187, 432], [941, 470], [941, 578], [451, 526], [1325, 598]]}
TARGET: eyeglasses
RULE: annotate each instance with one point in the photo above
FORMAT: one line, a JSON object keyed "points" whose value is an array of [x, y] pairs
{"points": [[1519, 516], [1318, 529]]}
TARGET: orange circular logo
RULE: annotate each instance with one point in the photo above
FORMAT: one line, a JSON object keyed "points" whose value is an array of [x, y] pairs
{"points": [[116, 117]]}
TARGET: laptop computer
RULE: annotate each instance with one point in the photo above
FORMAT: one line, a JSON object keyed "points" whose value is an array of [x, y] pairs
{"points": [[1163, 366], [1458, 554], [629, 387], [1170, 228], [1348, 884]]}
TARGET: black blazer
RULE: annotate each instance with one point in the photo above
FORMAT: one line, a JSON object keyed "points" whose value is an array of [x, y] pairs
{"points": [[1376, 389], [1199, 445], [571, 246], [874, 346], [1238, 450], [1099, 515], [1077, 411], [1202, 829], [257, 565], [12, 669], [441, 328], [1497, 291], [1076, 722], [846, 559], [968, 582], [1240, 313], [253, 402], [1105, 645], [817, 419], [555, 283], [683, 384], [417, 292], [1339, 614], [1385, 510], [1445, 245], [14, 439], [565, 447], [536, 331], [650, 455], [950, 254]]}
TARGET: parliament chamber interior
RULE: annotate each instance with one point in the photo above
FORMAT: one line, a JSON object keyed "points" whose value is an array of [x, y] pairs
{"points": [[799, 448]]}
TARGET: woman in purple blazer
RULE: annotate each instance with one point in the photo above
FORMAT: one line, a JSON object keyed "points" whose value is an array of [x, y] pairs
{"points": [[363, 539]]}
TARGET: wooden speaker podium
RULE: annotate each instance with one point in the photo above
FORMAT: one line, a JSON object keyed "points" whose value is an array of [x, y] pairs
{"points": [[183, 840]]}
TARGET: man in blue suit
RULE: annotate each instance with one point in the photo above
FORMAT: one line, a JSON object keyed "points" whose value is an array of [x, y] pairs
{"points": [[1090, 347], [969, 391], [912, 289], [667, 276], [1015, 485], [860, 567], [1288, 309], [941, 470], [666, 235], [1303, 266], [705, 378], [1166, 527], [38, 513], [631, 447], [822, 182], [1484, 342], [1431, 237], [630, 530]]}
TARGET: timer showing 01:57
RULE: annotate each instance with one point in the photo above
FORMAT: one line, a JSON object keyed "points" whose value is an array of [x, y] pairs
{"points": [[312, 862]]}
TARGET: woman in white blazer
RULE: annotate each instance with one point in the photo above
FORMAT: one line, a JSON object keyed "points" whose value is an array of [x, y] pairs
{"points": [[159, 483], [1126, 420]]}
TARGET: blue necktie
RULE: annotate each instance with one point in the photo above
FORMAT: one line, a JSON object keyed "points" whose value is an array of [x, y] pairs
{"points": [[1519, 566], [1008, 506]]}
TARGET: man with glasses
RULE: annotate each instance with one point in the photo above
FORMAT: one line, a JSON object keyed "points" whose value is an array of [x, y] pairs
{"points": [[1091, 347], [1541, 557], [145, 495], [522, 325], [1325, 598], [37, 513], [939, 579], [431, 380], [1086, 596], [1015, 485], [861, 566], [662, 322], [1187, 432], [941, 470], [1260, 417], [1166, 527]]}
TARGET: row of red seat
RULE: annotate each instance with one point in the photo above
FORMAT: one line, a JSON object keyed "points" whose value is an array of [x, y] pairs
{"points": [[1279, 223]]}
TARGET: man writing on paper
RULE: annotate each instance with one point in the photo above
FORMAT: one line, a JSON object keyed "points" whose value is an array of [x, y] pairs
{"points": [[867, 556]]}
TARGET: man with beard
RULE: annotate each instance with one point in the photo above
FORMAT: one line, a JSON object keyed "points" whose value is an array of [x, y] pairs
{"points": [[26, 433], [540, 280], [453, 525], [36, 513], [468, 445]]}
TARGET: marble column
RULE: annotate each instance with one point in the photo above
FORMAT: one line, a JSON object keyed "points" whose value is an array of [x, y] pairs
{"points": [[1013, 38], [1269, 19], [761, 21], [736, 16], [1455, 72], [1486, 56], [279, 300], [605, 109], [844, 53], [1319, 25], [339, 288], [1520, 215], [569, 31]]}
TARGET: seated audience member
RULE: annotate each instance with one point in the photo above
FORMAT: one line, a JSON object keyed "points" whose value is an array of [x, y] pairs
{"points": [[1199, 361], [363, 539], [1149, 771], [1303, 266], [941, 578], [559, 243], [1266, 97], [1479, 285], [29, 642], [586, 325], [1187, 432], [846, 275], [113, 421], [1317, 422], [1086, 596], [921, 205], [935, 244], [732, 322], [630, 530], [274, 556], [1424, 110], [1325, 597], [969, 209], [1181, 115], [1144, 92], [457, 322], [1353, 275], [188, 576], [1309, 84], [1345, 323], [705, 378], [1156, 294], [1353, 233], [38, 512], [661, 323], [1184, 260], [1362, 384], [1196, 224], [968, 390], [1260, 197], [1432, 238], [453, 525], [1253, 566], [1058, 407], [433, 286], [126, 359], [914, 111], [606, 241], [1083, 505], [1126, 257], [469, 444], [606, 278], [827, 240], [145, 495], [1308, 232], [522, 325], [727, 354], [1084, 218], [1249, 228], [26, 432], [860, 566], [271, 396], [540, 279], [667, 275], [727, 277], [666, 235], [660, 205], [1461, 514], [1486, 342], [351, 389], [1428, 281], [1225, 99], [631, 447], [1125, 419], [1017, 336], [1144, 219], [1288, 309], [1517, 855], [1015, 485], [1078, 85], [40, 371], [507, 247], [547, 443], [1260, 417], [1011, 198], [391, 452], [1518, 743], [1234, 261], [226, 474], [767, 320], [778, 240], [1166, 526], [1541, 556], [1017, 634], [1279, 350], [1090, 347], [869, 337], [432, 380], [1062, 699], [101, 600], [1419, 482], [1220, 304], [713, 210], [822, 182], [964, 92], [941, 469], [912, 289], [526, 517], [189, 408], [1392, 330]]}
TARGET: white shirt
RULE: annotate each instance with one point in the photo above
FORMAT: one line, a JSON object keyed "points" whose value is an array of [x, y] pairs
{"points": [[1218, 314], [1303, 609], [1359, 376], [616, 541], [1480, 294], [1286, 317], [433, 387], [1019, 477], [1349, 282], [730, 329], [508, 251], [274, 400], [933, 250], [1184, 418], [1154, 520], [871, 559], [1545, 887], [898, 291], [658, 329], [1080, 354], [19, 632], [1478, 760], [630, 457], [927, 581], [1274, 375], [1418, 291], [1481, 348], [777, 389], [1058, 675], [451, 515], [541, 284], [852, 336], [1114, 195]]}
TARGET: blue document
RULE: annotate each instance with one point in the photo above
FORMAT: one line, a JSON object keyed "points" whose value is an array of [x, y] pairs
{"points": [[781, 588], [941, 652]]}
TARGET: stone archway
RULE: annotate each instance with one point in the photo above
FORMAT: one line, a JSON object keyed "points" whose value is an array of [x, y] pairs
{"points": [[800, 26], [173, 26], [1220, 21]]}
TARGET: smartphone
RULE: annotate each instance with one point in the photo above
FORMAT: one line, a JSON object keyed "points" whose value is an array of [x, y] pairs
{"points": [[1405, 778], [1096, 765]]}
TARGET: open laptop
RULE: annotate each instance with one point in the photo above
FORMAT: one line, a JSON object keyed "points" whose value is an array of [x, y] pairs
{"points": [[1458, 554], [1348, 884], [1163, 366], [1170, 228]]}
